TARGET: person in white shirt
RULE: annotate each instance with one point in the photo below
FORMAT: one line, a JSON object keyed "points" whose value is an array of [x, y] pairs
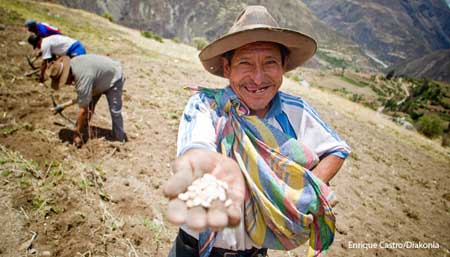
{"points": [[55, 45]]}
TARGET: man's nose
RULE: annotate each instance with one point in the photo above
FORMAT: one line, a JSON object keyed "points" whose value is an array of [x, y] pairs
{"points": [[258, 74]]}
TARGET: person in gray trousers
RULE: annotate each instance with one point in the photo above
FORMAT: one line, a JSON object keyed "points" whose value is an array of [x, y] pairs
{"points": [[93, 76]]}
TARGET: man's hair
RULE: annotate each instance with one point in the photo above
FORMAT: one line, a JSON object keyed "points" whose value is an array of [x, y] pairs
{"points": [[34, 40], [283, 50]]}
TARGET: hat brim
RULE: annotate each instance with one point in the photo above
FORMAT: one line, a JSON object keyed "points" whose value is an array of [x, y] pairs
{"points": [[61, 81], [301, 46]]}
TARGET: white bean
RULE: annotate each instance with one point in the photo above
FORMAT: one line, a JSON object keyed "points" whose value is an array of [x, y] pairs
{"points": [[204, 191]]}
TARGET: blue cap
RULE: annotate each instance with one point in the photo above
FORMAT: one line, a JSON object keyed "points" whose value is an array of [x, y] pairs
{"points": [[30, 23]]}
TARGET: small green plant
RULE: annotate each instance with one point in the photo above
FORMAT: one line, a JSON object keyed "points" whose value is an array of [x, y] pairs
{"points": [[430, 125], [38, 203], [152, 35], [200, 42], [9, 130], [24, 182], [296, 78], [147, 223], [332, 60], [155, 228], [27, 126], [353, 82], [12, 129], [342, 91], [371, 104], [84, 184], [356, 98], [6, 173], [174, 116], [108, 16], [354, 156]]}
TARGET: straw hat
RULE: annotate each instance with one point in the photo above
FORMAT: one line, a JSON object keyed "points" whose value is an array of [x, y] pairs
{"points": [[58, 71], [255, 24]]}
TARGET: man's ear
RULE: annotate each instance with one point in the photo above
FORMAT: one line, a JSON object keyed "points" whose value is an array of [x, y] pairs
{"points": [[226, 67]]}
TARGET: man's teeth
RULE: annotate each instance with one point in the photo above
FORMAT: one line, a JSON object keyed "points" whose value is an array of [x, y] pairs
{"points": [[260, 90]]}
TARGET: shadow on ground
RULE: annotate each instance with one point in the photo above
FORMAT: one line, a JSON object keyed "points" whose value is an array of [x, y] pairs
{"points": [[66, 135]]}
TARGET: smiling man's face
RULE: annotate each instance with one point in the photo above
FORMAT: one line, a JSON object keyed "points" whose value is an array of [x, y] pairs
{"points": [[255, 73]]}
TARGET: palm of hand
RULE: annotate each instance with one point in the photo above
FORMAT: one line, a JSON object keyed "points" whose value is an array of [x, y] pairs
{"points": [[192, 165]]}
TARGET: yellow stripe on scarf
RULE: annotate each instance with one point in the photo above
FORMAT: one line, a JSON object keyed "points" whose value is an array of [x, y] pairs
{"points": [[264, 131]]}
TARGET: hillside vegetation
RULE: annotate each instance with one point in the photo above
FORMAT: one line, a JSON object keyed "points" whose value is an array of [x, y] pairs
{"points": [[406, 100], [105, 199]]}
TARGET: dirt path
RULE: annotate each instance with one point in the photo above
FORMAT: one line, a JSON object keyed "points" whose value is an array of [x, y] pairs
{"points": [[105, 199]]}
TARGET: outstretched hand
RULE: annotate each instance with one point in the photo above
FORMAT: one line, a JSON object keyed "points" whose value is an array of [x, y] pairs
{"points": [[192, 165]]}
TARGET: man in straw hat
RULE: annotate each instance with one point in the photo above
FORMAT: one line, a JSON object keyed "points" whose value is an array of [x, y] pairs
{"points": [[94, 76], [271, 149]]}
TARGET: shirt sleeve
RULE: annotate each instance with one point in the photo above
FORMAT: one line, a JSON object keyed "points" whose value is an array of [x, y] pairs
{"points": [[46, 49], [84, 86], [196, 128], [320, 137]]}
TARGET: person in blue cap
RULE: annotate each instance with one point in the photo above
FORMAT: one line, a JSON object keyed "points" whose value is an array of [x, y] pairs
{"points": [[41, 29]]}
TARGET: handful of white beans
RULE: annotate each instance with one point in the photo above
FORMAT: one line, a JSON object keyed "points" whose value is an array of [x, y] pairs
{"points": [[204, 191]]}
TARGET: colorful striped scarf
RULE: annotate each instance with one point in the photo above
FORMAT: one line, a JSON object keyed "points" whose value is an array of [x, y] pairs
{"points": [[280, 188]]}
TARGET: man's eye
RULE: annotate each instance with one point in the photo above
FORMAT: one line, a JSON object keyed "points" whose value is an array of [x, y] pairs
{"points": [[271, 62], [244, 63]]}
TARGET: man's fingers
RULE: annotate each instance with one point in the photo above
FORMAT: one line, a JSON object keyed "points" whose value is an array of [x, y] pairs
{"points": [[176, 211], [217, 215], [197, 218], [234, 215], [194, 164], [182, 178]]}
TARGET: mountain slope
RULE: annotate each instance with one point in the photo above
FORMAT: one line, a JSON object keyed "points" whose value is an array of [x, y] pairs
{"points": [[392, 30], [210, 19], [433, 66], [187, 19]]}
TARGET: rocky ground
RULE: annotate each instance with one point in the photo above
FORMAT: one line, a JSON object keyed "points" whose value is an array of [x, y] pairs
{"points": [[105, 199]]}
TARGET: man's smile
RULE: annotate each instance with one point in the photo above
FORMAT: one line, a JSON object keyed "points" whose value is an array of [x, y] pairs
{"points": [[253, 88], [256, 90]]}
